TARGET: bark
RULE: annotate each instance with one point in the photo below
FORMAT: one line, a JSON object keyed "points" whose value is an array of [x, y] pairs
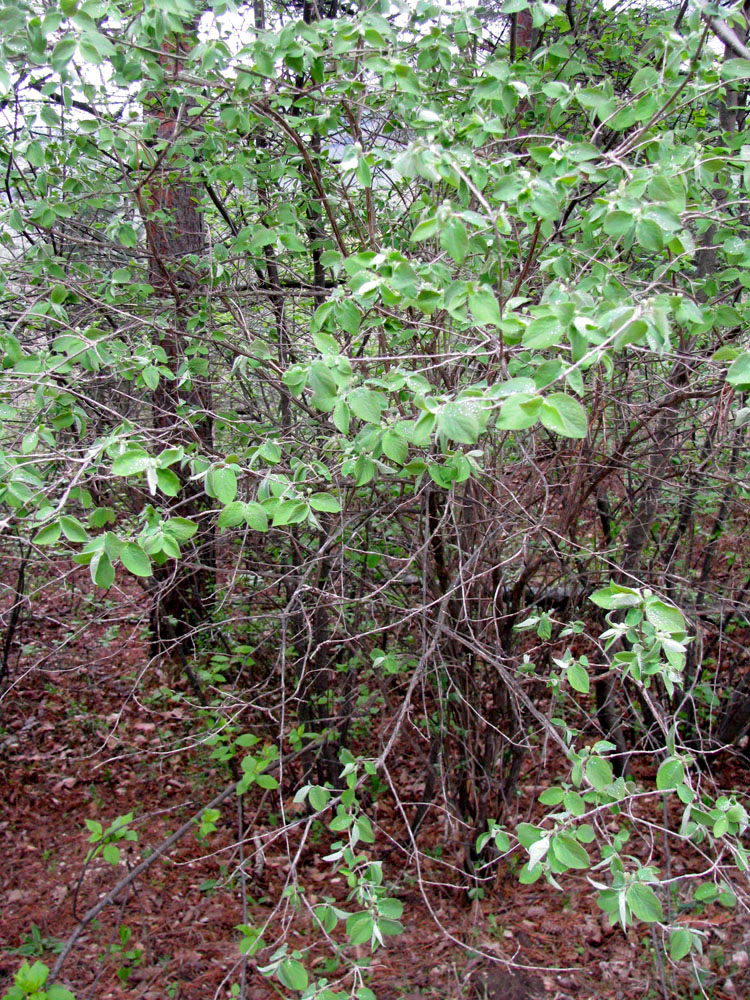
{"points": [[170, 204]]}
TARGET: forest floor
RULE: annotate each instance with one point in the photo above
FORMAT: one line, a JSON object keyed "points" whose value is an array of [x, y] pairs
{"points": [[90, 736]]}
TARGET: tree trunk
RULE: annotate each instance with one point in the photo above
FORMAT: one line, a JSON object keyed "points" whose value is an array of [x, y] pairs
{"points": [[182, 411]]}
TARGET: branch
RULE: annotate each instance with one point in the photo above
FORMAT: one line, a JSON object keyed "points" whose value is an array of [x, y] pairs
{"points": [[725, 33]]}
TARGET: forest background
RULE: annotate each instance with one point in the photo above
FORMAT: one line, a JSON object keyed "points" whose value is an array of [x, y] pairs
{"points": [[373, 491]]}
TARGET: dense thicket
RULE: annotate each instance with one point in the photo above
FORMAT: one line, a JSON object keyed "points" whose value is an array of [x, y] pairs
{"points": [[352, 351]]}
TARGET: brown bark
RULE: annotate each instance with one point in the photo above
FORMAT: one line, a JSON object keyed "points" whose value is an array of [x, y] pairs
{"points": [[170, 204]]}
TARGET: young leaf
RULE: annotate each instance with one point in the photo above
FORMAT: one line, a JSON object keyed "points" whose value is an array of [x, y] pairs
{"points": [[293, 974], [324, 502], [256, 517], [599, 773], [367, 404], [578, 678], [484, 307], [458, 421], [644, 903], [564, 415], [221, 483], [679, 943], [232, 515], [670, 774], [569, 852], [47, 535], [102, 570], [135, 559]]}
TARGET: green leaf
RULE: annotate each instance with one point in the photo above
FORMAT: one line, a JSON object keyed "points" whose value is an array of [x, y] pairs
{"points": [[135, 560], [564, 415], [614, 597], [364, 470], [56, 992], [665, 617], [180, 528], [519, 412], [366, 835], [256, 517], [111, 854], [131, 462], [325, 343], [649, 235], [570, 852], [359, 927], [232, 515], [63, 52], [735, 69], [127, 236], [458, 421], [318, 797], [47, 535], [366, 404], [644, 903], [424, 230], [102, 571], [324, 502], [266, 781], [578, 678], [323, 385], [502, 841], [484, 307], [341, 416], [670, 774], [391, 908], [599, 773], [454, 240], [293, 974], [528, 834], [168, 482], [543, 332], [289, 512], [618, 223], [73, 530], [551, 796], [679, 943], [221, 483], [738, 374], [31, 977], [395, 447], [529, 875]]}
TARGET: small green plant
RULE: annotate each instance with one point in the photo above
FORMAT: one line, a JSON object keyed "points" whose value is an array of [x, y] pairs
{"points": [[30, 982], [35, 944], [106, 840], [208, 823], [130, 958]]}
